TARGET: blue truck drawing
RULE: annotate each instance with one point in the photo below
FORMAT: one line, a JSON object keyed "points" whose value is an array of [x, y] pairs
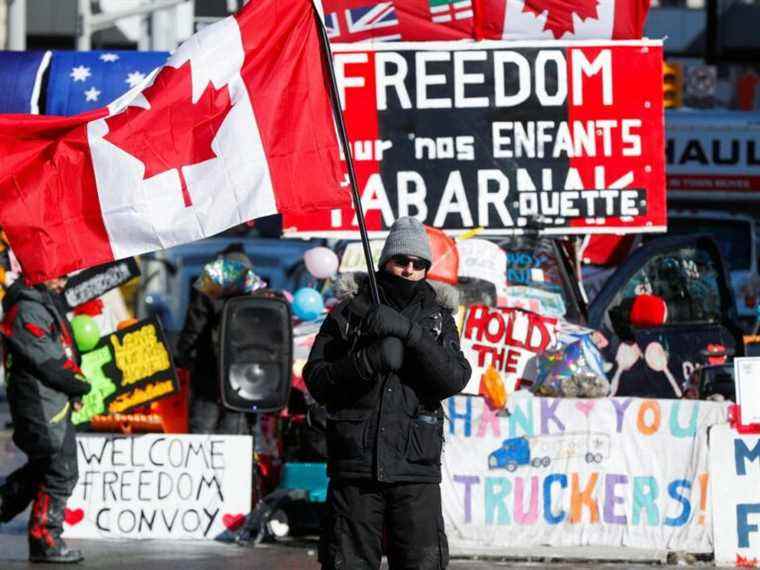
{"points": [[541, 451]]}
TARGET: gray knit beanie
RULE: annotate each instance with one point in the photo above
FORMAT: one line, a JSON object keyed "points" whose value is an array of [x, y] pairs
{"points": [[407, 237]]}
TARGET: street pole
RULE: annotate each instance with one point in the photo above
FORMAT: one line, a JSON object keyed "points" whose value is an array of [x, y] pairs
{"points": [[89, 23], [345, 143], [17, 25]]}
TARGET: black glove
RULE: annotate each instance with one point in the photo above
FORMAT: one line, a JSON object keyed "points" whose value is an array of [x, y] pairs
{"points": [[383, 321], [385, 355]]}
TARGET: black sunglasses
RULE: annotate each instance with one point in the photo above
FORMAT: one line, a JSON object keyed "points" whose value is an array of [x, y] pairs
{"points": [[405, 260]]}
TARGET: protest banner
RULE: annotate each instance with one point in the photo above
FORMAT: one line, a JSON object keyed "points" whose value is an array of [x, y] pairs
{"points": [[735, 470], [558, 137], [128, 368], [576, 472], [160, 486], [507, 339], [93, 282]]}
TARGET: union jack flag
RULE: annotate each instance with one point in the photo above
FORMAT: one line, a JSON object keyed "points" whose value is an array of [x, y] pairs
{"points": [[374, 22]]}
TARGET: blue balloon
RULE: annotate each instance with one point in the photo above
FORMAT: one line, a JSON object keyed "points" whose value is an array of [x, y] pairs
{"points": [[307, 304]]}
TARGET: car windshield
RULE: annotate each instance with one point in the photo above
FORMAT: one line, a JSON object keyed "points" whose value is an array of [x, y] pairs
{"points": [[537, 279], [734, 238]]}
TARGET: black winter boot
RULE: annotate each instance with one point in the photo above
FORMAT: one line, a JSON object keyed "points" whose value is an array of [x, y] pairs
{"points": [[58, 553], [16, 492], [45, 528]]}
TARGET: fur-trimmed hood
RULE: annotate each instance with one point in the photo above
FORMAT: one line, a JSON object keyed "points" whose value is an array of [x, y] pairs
{"points": [[347, 285]]}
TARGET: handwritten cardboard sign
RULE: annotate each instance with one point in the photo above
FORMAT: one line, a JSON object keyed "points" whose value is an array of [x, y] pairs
{"points": [[735, 471], [93, 282], [128, 368], [160, 486], [506, 339]]}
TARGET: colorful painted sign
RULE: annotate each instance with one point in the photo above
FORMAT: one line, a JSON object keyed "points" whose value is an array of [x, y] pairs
{"points": [[160, 486], [576, 472], [735, 470], [127, 369], [557, 137]]}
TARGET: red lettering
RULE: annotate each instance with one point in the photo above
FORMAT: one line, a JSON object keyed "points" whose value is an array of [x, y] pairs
{"points": [[482, 351], [477, 319], [513, 358], [495, 337]]}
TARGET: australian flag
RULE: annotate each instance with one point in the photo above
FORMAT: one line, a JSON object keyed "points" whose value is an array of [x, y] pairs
{"points": [[82, 81], [375, 21]]}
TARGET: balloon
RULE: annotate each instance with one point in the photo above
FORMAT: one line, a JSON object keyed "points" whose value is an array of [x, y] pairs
{"points": [[321, 262], [288, 295], [307, 304], [86, 332]]}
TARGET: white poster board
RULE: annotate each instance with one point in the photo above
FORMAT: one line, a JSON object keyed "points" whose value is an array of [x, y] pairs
{"points": [[506, 339], [482, 259], [735, 487], [578, 472], [747, 379], [160, 486]]}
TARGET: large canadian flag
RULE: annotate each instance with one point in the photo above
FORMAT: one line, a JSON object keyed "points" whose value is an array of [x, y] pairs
{"points": [[560, 19], [236, 125]]}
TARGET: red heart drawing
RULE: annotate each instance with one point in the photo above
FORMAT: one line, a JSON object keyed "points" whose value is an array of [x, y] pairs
{"points": [[73, 517], [585, 407], [233, 522]]}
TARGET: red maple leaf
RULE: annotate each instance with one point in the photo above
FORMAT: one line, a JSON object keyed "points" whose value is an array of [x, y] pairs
{"points": [[559, 17], [174, 132]]}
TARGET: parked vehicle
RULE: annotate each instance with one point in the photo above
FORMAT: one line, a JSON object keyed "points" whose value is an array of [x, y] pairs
{"points": [[736, 236], [667, 310]]}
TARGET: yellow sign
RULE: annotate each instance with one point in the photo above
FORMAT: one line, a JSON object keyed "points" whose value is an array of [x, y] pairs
{"points": [[140, 355]]}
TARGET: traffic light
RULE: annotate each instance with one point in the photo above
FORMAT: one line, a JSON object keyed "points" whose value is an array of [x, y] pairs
{"points": [[672, 85]]}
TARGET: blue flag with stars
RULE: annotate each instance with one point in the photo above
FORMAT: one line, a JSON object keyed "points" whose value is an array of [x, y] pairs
{"points": [[21, 75], [84, 80]]}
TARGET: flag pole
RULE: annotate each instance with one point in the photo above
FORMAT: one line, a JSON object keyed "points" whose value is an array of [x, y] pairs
{"points": [[343, 136]]}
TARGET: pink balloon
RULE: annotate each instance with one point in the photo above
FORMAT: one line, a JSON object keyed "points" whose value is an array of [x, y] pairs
{"points": [[288, 296], [321, 262]]}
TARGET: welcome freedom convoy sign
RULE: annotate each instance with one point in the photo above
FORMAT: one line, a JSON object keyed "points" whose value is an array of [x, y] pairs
{"points": [[560, 137]]}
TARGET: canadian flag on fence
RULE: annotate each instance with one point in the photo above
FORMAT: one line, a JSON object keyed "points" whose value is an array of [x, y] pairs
{"points": [[235, 126], [560, 19]]}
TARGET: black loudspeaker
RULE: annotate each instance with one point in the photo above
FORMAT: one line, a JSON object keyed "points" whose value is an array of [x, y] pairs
{"points": [[256, 353]]}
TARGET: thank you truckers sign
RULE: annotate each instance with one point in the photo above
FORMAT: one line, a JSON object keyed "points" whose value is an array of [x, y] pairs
{"points": [[555, 136]]}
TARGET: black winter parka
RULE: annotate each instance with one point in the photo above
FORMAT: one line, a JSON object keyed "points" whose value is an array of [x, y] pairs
{"points": [[389, 429], [43, 369]]}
